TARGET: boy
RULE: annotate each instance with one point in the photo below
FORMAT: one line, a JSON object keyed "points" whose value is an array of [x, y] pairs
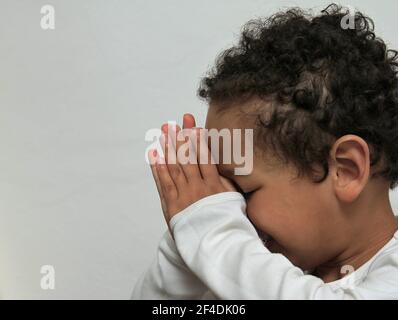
{"points": [[313, 219]]}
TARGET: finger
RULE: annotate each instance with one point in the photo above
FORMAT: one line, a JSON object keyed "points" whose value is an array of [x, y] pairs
{"points": [[152, 155], [175, 170], [165, 127], [167, 185], [206, 161], [187, 156], [163, 142], [188, 121]]}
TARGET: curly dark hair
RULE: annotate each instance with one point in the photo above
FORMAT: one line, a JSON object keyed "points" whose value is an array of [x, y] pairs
{"points": [[324, 81]]}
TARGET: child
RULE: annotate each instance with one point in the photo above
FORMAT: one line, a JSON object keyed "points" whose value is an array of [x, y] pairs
{"points": [[313, 219]]}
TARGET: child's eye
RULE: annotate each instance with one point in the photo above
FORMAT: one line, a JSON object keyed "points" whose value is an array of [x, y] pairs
{"points": [[246, 195], [239, 189]]}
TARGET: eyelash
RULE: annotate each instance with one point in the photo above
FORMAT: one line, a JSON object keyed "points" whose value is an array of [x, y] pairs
{"points": [[246, 195]]}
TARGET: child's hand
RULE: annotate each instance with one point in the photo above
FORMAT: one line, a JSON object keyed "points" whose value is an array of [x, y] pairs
{"points": [[180, 185]]}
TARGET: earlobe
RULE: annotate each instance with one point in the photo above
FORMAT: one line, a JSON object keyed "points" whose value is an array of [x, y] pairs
{"points": [[350, 155]]}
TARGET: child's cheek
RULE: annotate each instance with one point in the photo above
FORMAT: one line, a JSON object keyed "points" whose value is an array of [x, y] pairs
{"points": [[259, 213], [269, 217]]}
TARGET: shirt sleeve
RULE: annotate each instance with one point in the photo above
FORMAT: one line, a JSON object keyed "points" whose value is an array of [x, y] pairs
{"points": [[168, 276], [220, 245]]}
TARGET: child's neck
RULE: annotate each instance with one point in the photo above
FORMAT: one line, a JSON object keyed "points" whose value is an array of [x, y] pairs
{"points": [[375, 225]]}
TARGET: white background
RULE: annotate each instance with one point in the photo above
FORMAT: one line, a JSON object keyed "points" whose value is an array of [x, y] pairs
{"points": [[75, 102]]}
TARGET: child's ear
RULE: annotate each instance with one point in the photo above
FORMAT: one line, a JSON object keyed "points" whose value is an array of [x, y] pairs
{"points": [[351, 167]]}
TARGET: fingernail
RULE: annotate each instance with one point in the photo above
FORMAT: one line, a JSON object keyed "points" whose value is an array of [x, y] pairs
{"points": [[154, 152]]}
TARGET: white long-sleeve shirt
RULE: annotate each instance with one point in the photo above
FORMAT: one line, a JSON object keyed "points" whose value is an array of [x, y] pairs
{"points": [[217, 254]]}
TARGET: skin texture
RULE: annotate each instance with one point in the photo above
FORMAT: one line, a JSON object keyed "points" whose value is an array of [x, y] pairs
{"points": [[320, 227]]}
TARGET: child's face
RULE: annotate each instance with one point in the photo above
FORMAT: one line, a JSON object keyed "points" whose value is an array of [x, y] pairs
{"points": [[301, 217]]}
